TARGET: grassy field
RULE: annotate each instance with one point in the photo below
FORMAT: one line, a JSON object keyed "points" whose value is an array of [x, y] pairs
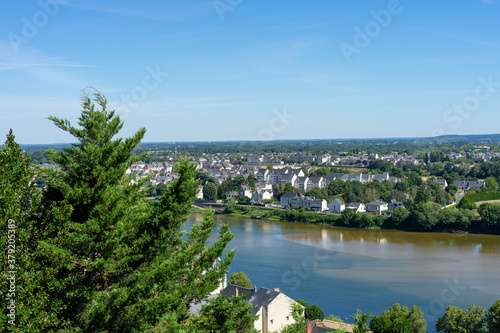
{"points": [[479, 203]]}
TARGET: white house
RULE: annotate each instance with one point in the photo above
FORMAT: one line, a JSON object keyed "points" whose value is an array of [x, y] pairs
{"points": [[286, 199], [309, 203], [259, 195], [395, 204], [245, 191], [289, 178], [381, 177], [336, 206], [465, 185], [324, 158], [441, 182], [199, 194], [357, 207], [377, 207], [272, 308], [315, 182], [302, 183], [297, 172], [262, 175]]}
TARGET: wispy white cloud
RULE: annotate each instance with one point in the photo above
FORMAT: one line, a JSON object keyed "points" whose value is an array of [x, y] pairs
{"points": [[38, 65], [178, 10], [465, 38], [320, 78], [178, 106], [10, 66], [272, 57]]}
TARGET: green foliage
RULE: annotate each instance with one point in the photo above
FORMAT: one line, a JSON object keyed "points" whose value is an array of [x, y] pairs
{"points": [[251, 181], [456, 320], [300, 325], [398, 216], [240, 279], [381, 324], [279, 190], [231, 207], [100, 257], [399, 320], [361, 320], [319, 193], [468, 201], [414, 179], [336, 187], [149, 191], [490, 215], [39, 157], [222, 315], [210, 191], [490, 185], [314, 312], [26, 219], [493, 318], [206, 177], [348, 217], [303, 303], [161, 189]]}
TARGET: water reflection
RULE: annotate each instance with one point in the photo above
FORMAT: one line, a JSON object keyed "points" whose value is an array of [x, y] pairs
{"points": [[365, 269], [484, 244]]}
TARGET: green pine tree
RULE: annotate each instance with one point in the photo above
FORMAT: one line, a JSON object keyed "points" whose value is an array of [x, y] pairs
{"points": [[21, 228], [124, 262]]}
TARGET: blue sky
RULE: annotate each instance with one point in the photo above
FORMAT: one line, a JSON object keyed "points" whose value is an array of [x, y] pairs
{"points": [[239, 69]]}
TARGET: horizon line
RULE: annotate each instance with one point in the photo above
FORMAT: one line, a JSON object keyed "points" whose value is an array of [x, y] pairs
{"points": [[286, 140]]}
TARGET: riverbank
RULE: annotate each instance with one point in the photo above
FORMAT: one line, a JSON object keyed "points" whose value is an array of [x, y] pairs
{"points": [[288, 215], [353, 221]]}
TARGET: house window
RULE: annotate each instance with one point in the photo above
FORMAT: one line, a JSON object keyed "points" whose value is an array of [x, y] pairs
{"points": [[287, 317], [271, 321]]}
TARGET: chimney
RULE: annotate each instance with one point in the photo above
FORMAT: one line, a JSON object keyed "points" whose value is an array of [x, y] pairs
{"points": [[309, 328], [237, 294], [277, 289], [265, 318], [254, 288]]}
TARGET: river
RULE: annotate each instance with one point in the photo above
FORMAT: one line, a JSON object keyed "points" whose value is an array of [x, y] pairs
{"points": [[343, 269]]}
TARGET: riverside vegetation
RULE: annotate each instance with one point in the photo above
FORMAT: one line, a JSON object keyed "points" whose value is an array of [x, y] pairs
{"points": [[93, 255]]}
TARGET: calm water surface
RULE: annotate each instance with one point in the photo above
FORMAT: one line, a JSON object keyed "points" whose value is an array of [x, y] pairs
{"points": [[344, 269]]}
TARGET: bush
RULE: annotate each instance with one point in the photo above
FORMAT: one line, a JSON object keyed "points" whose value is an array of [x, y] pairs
{"points": [[314, 312], [468, 201]]}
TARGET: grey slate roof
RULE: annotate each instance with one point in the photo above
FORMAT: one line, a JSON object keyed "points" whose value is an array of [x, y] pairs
{"points": [[258, 298], [377, 203], [469, 183], [195, 307], [288, 176], [292, 195]]}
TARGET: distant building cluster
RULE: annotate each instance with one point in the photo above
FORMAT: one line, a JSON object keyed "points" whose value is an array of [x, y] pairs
{"points": [[160, 172]]}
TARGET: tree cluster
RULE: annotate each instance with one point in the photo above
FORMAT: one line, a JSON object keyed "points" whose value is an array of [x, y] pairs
{"points": [[94, 255]]}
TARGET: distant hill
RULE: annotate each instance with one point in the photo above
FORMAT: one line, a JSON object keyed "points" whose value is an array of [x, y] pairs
{"points": [[439, 140], [469, 138]]}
